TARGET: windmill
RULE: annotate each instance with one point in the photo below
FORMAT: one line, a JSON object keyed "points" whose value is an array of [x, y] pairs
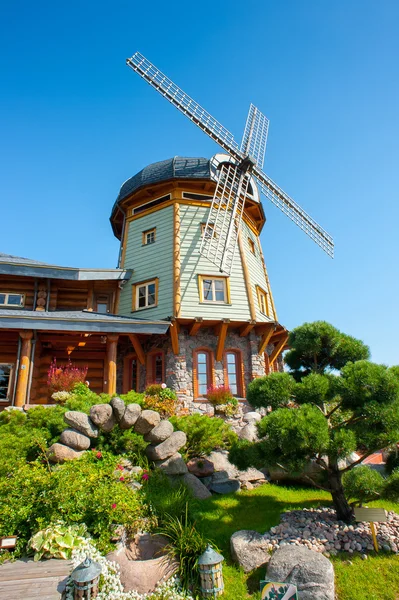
{"points": [[223, 224]]}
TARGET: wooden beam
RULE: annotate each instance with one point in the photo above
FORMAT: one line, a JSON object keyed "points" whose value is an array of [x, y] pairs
{"points": [[266, 337], [221, 339], [196, 326], [137, 347], [245, 329], [174, 336], [110, 366], [176, 261], [278, 348], [247, 278], [23, 370]]}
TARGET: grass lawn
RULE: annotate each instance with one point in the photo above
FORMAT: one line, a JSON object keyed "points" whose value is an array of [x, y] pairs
{"points": [[220, 516]]}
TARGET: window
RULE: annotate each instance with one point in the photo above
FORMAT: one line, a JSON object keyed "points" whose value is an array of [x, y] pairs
{"points": [[262, 300], [203, 372], [155, 367], [102, 304], [233, 375], [214, 289], [211, 226], [7, 299], [149, 236], [131, 373], [6, 372], [251, 245], [150, 204], [145, 294], [191, 196]]}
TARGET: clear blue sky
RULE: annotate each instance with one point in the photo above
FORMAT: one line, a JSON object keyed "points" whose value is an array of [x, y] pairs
{"points": [[75, 123]]}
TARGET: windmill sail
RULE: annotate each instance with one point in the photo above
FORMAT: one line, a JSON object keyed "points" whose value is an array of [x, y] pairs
{"points": [[255, 136], [220, 236]]}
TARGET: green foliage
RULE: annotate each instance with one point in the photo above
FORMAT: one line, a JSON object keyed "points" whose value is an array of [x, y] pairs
{"points": [[391, 491], [219, 394], [133, 397], [274, 390], [160, 398], [314, 389], [82, 399], [392, 461], [57, 541], [342, 443], [204, 434], [318, 347], [124, 441], [364, 382], [166, 498], [363, 484]]}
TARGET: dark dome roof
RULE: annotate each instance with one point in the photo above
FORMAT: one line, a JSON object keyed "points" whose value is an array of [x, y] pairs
{"points": [[172, 168]]}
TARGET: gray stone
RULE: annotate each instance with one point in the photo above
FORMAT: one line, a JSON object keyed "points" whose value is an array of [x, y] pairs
{"points": [[251, 417], [167, 448], [249, 432], [310, 571], [58, 453], [221, 463], [312, 469], [130, 416], [251, 475], [226, 487], [200, 467], [74, 439], [249, 549], [160, 433], [81, 422], [198, 489], [103, 416], [174, 465], [146, 421], [118, 406]]}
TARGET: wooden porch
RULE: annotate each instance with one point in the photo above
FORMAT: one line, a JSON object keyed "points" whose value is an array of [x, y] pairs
{"points": [[28, 580]]}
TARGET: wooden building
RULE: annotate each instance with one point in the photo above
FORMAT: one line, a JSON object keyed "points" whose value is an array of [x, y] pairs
{"points": [[165, 315]]}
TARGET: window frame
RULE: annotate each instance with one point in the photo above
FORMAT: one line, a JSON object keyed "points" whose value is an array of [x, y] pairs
{"points": [[147, 232], [135, 293], [6, 305], [210, 379], [203, 228], [239, 371], [127, 372], [262, 293], [251, 245], [103, 299], [150, 365], [10, 385], [224, 278]]}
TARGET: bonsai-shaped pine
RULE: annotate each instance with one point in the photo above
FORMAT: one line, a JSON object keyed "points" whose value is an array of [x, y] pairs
{"points": [[333, 402]]}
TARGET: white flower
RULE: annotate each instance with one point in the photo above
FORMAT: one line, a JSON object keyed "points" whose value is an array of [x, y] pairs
{"points": [[163, 386]]}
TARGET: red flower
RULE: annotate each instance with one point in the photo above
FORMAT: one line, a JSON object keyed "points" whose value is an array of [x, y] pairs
{"points": [[119, 467], [113, 505], [99, 455], [145, 476], [121, 479]]}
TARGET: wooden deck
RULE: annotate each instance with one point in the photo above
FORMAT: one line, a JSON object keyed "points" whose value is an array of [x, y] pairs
{"points": [[26, 579]]}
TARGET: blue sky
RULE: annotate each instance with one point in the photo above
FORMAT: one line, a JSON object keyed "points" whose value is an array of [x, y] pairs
{"points": [[75, 123]]}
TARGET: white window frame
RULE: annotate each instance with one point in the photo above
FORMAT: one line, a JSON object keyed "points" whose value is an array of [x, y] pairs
{"points": [[213, 278], [10, 381], [7, 294], [145, 284], [149, 234]]}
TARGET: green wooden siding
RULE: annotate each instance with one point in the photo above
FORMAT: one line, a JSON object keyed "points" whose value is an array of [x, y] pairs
{"points": [[192, 264], [256, 271], [147, 262]]}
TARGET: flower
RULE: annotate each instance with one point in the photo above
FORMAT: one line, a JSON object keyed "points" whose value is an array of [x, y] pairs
{"points": [[121, 479], [99, 455], [113, 506], [163, 386], [145, 476], [119, 467]]}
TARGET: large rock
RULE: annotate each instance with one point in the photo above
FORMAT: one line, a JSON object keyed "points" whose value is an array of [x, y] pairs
{"points": [[174, 465], [74, 439], [160, 433], [200, 467], [221, 463], [146, 421], [118, 406], [252, 475], [249, 432], [250, 550], [103, 416], [167, 448], [198, 489], [310, 571], [58, 453], [130, 416], [226, 487], [251, 417], [81, 422]]}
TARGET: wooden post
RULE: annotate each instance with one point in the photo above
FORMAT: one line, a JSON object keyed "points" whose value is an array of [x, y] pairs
{"points": [[176, 262], [373, 533], [137, 347], [23, 371], [221, 339], [112, 343]]}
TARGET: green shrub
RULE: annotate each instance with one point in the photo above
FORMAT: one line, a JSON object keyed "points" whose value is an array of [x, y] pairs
{"points": [[204, 434], [133, 397], [57, 541], [160, 398], [166, 498], [362, 484], [272, 390], [82, 399], [391, 491], [124, 441], [392, 462]]}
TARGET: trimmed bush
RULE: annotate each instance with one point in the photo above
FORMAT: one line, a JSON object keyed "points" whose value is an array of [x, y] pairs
{"points": [[204, 434]]}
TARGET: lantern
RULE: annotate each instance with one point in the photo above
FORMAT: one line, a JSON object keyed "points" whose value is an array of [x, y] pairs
{"points": [[85, 579], [210, 568]]}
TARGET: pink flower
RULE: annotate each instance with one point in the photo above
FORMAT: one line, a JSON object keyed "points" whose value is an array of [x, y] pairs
{"points": [[121, 479], [145, 476], [113, 506], [99, 455], [119, 467]]}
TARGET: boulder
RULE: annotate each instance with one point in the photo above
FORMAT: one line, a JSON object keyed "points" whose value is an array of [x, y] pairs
{"points": [[198, 489], [251, 475], [310, 571], [173, 465], [249, 432], [74, 439], [103, 416], [118, 406], [312, 469], [250, 550], [58, 453], [226, 487], [167, 448], [251, 417], [81, 422], [221, 463], [146, 421], [200, 467], [160, 433], [130, 416]]}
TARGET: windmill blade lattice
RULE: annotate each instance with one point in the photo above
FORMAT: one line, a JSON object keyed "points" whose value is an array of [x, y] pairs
{"points": [[255, 136]]}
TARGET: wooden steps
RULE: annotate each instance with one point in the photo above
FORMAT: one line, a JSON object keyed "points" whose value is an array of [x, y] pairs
{"points": [[25, 579]]}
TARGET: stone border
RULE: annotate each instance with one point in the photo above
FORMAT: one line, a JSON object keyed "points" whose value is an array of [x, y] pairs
{"points": [[164, 442]]}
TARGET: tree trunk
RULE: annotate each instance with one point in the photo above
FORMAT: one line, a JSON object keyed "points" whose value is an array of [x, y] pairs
{"points": [[341, 505]]}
